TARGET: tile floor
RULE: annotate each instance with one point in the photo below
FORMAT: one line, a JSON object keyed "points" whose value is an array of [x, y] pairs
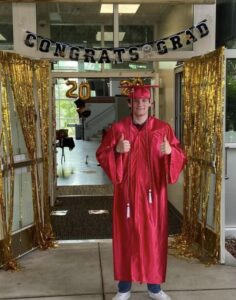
{"points": [[80, 166]]}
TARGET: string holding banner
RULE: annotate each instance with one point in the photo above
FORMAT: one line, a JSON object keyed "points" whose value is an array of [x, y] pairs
{"points": [[107, 55]]}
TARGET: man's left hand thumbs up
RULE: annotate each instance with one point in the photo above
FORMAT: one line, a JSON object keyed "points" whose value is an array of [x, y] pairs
{"points": [[165, 146]]}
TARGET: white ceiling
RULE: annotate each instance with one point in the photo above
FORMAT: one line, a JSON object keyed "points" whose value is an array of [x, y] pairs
{"points": [[89, 13]]}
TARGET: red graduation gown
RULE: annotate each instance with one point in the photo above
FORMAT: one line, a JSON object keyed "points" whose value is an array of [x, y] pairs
{"points": [[140, 241]]}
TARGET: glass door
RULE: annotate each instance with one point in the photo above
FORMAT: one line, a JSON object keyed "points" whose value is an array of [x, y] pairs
{"points": [[230, 161]]}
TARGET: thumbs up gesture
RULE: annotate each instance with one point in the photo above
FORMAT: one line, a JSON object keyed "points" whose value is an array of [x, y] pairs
{"points": [[165, 146], [123, 145]]}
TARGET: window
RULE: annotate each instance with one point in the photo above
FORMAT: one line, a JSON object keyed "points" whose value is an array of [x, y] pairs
{"points": [[6, 27], [82, 24], [66, 113], [230, 120]]}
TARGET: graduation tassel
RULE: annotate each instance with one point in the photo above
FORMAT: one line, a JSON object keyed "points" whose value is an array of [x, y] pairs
{"points": [[128, 211], [150, 196]]}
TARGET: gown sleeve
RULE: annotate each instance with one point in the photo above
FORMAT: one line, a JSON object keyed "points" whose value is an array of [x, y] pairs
{"points": [[176, 160], [109, 159]]}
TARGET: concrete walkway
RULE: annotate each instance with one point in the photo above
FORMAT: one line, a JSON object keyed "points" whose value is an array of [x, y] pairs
{"points": [[84, 271]]}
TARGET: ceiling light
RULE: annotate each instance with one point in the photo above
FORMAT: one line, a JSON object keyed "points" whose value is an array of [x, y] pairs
{"points": [[108, 36], [2, 38], [128, 8], [122, 8], [106, 9]]}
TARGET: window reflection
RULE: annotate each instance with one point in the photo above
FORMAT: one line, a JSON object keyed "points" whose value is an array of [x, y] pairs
{"points": [[230, 100], [137, 34], [6, 27], [77, 35]]}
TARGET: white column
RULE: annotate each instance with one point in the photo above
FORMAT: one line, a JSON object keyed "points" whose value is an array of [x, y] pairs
{"points": [[102, 36], [208, 12], [24, 18], [156, 96], [116, 25]]}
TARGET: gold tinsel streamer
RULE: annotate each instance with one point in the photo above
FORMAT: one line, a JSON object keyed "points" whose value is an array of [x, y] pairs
{"points": [[6, 179], [42, 70], [19, 71], [203, 142]]}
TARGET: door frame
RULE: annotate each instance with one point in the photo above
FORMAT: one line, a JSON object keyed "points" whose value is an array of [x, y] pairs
{"points": [[229, 54]]}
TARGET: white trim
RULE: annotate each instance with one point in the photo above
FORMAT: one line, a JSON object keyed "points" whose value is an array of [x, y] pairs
{"points": [[23, 229], [84, 241], [109, 74], [230, 145], [222, 206], [230, 53], [230, 232]]}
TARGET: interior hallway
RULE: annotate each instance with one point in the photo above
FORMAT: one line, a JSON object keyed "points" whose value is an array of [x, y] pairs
{"points": [[79, 165]]}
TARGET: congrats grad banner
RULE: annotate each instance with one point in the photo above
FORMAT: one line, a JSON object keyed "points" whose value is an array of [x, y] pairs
{"points": [[116, 55]]}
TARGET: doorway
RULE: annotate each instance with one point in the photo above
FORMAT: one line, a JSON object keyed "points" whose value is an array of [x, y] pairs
{"points": [[84, 192], [83, 205]]}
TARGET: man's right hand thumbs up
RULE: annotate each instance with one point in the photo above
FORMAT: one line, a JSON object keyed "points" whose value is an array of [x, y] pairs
{"points": [[123, 145]]}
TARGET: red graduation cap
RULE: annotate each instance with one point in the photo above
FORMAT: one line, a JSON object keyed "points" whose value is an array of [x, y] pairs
{"points": [[139, 91]]}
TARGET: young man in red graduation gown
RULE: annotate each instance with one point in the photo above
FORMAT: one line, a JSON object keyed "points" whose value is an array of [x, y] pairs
{"points": [[141, 155]]}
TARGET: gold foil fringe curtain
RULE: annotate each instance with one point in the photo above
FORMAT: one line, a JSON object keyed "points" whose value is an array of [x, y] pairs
{"points": [[203, 141], [25, 76], [6, 182], [42, 70]]}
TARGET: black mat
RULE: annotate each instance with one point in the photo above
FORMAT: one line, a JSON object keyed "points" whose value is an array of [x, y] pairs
{"points": [[78, 224]]}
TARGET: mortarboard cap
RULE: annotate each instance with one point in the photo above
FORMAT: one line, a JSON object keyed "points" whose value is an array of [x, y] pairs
{"points": [[140, 91]]}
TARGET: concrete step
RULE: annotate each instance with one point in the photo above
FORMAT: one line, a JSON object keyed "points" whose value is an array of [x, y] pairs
{"points": [[106, 189]]}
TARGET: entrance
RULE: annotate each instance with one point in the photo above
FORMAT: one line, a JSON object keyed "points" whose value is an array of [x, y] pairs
{"points": [[164, 108], [84, 193]]}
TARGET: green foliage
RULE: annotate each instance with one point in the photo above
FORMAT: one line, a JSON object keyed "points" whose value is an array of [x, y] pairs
{"points": [[66, 113]]}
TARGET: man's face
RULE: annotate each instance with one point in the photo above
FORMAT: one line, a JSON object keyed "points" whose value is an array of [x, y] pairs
{"points": [[140, 107]]}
